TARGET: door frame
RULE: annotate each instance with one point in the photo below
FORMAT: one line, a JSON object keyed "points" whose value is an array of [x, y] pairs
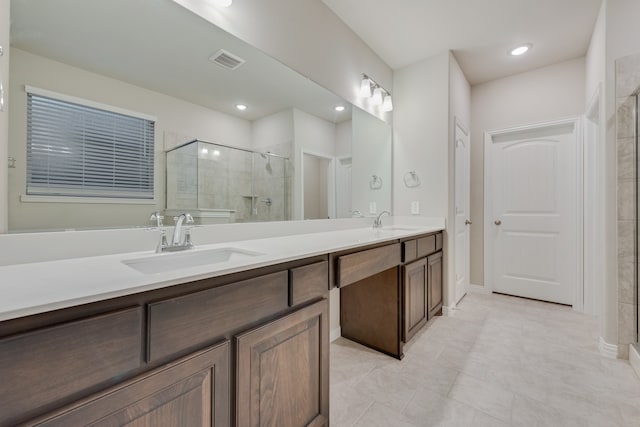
{"points": [[578, 298]]}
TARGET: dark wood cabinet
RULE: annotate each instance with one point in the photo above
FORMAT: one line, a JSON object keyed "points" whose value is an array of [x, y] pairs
{"points": [[434, 284], [282, 371], [192, 391], [152, 359], [414, 298], [386, 300]]}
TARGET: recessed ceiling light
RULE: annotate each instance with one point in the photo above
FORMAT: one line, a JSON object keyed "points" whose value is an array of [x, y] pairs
{"points": [[339, 107], [221, 3], [241, 107], [520, 50]]}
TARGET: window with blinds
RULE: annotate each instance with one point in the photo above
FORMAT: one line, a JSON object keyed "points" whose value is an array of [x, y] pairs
{"points": [[79, 150]]}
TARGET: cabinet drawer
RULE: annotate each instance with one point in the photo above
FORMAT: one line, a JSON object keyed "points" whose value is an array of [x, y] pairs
{"points": [[193, 391], [360, 265], [438, 241], [409, 251], [308, 282], [44, 368], [426, 245], [194, 320]]}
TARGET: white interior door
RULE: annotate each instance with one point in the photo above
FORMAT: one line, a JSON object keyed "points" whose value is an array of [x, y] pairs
{"points": [[534, 217], [463, 219]]}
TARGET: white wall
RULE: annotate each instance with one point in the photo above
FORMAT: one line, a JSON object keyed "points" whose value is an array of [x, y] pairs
{"points": [[596, 54], [4, 116], [372, 150], [595, 213], [420, 129], [273, 133], [174, 117], [460, 109], [343, 138], [548, 93], [305, 35]]}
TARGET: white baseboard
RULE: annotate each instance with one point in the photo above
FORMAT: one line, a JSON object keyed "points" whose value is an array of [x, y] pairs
{"points": [[334, 334], [608, 350], [479, 289], [448, 311], [634, 359]]}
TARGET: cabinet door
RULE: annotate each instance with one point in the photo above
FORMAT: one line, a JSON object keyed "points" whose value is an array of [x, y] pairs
{"points": [[415, 298], [283, 371], [193, 391], [434, 283]]}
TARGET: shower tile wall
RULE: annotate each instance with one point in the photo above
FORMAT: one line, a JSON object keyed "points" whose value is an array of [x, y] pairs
{"points": [[627, 83], [224, 176], [207, 176], [273, 183], [182, 188]]}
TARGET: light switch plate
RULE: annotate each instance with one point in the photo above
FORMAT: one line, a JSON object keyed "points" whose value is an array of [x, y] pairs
{"points": [[373, 208], [415, 207]]}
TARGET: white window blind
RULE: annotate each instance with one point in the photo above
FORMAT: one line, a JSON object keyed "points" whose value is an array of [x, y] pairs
{"points": [[79, 150]]}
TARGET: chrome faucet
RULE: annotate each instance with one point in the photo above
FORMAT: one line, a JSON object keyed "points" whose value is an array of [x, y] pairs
{"points": [[176, 243], [377, 223]]}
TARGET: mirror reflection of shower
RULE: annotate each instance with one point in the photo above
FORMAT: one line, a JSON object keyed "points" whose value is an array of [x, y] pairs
{"points": [[219, 183]]}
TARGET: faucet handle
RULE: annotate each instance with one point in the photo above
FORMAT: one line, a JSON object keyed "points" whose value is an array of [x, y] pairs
{"points": [[155, 216], [162, 244], [188, 218]]}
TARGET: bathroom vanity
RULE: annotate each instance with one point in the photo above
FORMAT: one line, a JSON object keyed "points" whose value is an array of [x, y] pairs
{"points": [[241, 343]]}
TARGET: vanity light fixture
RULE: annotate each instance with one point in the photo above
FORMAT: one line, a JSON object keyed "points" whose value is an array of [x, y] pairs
{"points": [[241, 107], [520, 50], [339, 108], [379, 95], [387, 104], [376, 99], [365, 86]]}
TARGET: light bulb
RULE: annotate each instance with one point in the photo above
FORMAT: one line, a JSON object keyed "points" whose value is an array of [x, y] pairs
{"points": [[339, 108], [241, 107], [365, 88], [520, 50], [387, 104], [377, 96]]}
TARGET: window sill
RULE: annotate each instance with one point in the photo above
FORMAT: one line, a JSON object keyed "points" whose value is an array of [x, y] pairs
{"points": [[85, 200]]}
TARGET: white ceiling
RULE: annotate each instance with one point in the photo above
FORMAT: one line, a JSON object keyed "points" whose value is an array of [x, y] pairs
{"points": [[479, 32], [142, 42]]}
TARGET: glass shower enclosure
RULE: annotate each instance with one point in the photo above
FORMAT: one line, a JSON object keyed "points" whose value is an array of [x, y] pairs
{"points": [[217, 183]]}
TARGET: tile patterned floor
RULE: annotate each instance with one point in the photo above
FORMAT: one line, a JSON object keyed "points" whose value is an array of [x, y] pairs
{"points": [[501, 361]]}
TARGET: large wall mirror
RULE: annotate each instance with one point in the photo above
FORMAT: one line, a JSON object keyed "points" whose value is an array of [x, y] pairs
{"points": [[112, 70]]}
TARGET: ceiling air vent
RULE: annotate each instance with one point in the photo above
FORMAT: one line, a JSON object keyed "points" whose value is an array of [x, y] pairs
{"points": [[226, 59]]}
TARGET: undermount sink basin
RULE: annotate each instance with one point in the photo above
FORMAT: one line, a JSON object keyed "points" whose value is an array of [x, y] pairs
{"points": [[161, 263]]}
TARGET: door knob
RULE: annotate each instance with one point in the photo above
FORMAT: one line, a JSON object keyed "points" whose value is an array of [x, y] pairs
{"points": [[467, 222], [497, 222]]}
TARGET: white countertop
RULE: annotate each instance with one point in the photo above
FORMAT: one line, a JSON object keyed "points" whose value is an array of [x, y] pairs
{"points": [[31, 288]]}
